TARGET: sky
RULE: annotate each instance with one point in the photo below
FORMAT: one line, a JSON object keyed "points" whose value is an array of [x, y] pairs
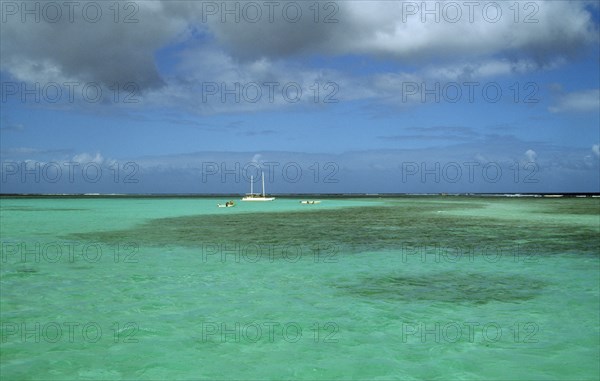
{"points": [[317, 96]]}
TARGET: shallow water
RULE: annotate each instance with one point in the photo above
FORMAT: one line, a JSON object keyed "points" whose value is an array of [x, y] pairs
{"points": [[404, 288]]}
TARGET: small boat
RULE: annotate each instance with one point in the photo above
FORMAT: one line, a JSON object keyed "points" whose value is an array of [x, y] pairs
{"points": [[228, 204], [310, 202], [257, 197]]}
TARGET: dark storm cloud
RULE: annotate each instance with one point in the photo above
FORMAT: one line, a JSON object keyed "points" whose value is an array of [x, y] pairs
{"points": [[388, 29], [80, 48], [113, 51]]}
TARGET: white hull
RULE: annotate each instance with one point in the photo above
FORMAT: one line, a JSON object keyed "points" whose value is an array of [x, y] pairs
{"points": [[257, 197]]}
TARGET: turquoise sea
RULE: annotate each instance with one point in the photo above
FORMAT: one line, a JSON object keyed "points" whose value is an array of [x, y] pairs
{"points": [[410, 288]]}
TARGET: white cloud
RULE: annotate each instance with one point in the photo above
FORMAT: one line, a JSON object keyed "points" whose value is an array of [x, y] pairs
{"points": [[531, 155], [85, 158], [34, 165], [596, 149], [257, 158], [580, 101]]}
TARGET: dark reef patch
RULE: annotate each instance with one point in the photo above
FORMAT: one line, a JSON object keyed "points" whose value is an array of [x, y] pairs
{"points": [[394, 226]]}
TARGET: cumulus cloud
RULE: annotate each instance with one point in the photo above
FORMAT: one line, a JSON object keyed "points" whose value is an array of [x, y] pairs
{"points": [[257, 158], [109, 51], [392, 29], [531, 155], [76, 49], [596, 149]]}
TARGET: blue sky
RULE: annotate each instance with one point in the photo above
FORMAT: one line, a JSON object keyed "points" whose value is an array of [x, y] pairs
{"points": [[182, 97]]}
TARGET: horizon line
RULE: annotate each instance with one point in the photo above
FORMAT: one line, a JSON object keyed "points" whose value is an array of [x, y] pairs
{"points": [[292, 195]]}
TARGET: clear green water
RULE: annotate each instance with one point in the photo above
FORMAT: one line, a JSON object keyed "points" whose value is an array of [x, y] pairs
{"points": [[407, 288]]}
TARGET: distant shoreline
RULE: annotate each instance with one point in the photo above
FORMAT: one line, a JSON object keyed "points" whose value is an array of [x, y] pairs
{"points": [[299, 195]]}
